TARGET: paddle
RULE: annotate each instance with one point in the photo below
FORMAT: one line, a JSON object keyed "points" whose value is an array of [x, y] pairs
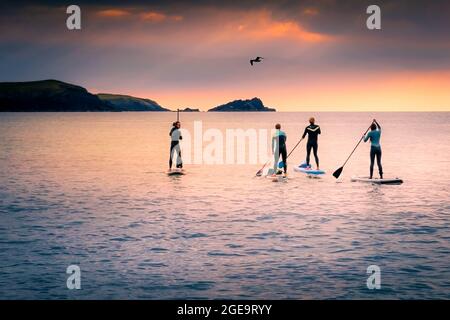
{"points": [[294, 148], [260, 171], [281, 164], [178, 114], [338, 172]]}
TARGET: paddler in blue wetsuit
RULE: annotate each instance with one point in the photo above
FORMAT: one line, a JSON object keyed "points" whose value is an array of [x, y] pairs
{"points": [[375, 149], [279, 148]]}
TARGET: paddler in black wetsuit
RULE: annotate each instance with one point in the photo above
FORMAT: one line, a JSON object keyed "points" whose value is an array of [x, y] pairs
{"points": [[175, 135], [312, 131]]}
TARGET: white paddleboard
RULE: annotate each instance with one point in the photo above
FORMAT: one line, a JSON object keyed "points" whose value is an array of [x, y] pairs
{"points": [[279, 178], [176, 172], [309, 171], [377, 181]]}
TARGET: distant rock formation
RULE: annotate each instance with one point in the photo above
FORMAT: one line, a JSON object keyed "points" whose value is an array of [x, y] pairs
{"points": [[128, 103], [253, 105], [58, 96], [189, 110], [48, 95]]}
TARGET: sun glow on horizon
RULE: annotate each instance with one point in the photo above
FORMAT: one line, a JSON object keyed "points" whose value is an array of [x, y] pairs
{"points": [[384, 92]]}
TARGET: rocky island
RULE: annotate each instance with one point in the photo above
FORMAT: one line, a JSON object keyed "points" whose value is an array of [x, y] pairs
{"points": [[189, 110], [252, 105]]}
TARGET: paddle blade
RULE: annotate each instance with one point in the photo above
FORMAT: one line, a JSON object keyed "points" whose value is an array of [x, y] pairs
{"points": [[259, 173], [338, 172]]}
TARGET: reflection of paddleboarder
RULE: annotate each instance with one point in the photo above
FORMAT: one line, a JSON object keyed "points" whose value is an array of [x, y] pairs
{"points": [[375, 149], [279, 148], [312, 131], [175, 135]]}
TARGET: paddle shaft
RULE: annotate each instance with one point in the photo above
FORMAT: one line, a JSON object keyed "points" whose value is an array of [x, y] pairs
{"points": [[356, 147], [260, 170], [294, 148], [178, 114]]}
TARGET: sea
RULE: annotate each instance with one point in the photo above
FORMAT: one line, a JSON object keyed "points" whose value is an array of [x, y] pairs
{"points": [[91, 190]]}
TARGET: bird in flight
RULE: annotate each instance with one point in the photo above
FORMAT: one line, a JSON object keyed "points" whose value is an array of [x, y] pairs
{"points": [[258, 59]]}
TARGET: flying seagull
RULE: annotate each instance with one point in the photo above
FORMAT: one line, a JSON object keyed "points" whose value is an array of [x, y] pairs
{"points": [[258, 59]]}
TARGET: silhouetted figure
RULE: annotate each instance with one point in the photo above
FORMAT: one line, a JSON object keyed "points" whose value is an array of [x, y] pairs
{"points": [[375, 149], [258, 59], [175, 136], [313, 132], [279, 148]]}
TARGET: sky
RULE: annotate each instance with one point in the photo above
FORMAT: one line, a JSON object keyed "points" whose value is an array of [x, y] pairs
{"points": [[319, 55]]}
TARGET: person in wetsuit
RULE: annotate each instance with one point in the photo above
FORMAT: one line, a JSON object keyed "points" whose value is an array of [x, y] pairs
{"points": [[175, 135], [375, 148], [279, 148], [312, 131]]}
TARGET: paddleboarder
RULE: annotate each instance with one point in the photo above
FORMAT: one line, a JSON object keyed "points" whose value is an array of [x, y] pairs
{"points": [[313, 132], [175, 135], [279, 148], [375, 149]]}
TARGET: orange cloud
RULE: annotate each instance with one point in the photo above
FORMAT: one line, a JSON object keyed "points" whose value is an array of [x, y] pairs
{"points": [[292, 29], [113, 13], [261, 25], [157, 17], [149, 16]]}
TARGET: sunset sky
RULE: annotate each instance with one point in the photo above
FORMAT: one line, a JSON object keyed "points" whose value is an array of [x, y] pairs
{"points": [[319, 55]]}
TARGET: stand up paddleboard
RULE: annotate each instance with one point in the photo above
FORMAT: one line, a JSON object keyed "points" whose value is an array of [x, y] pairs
{"points": [[176, 172], [377, 181], [279, 178], [304, 168]]}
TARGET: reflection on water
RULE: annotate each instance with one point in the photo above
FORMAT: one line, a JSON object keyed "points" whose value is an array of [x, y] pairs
{"points": [[90, 189]]}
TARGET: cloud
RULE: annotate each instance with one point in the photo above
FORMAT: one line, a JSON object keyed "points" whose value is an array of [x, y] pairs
{"points": [[268, 28], [140, 14], [157, 17], [113, 13], [262, 25]]}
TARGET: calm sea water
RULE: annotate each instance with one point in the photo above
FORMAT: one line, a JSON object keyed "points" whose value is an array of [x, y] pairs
{"points": [[90, 189]]}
